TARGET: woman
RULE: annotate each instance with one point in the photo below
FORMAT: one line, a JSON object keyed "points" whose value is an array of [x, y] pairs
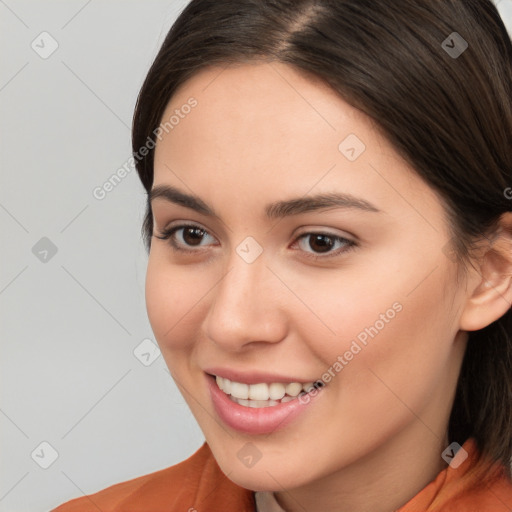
{"points": [[329, 231]]}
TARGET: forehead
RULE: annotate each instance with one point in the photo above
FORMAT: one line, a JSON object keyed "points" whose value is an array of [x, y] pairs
{"points": [[258, 116], [267, 96], [266, 128]]}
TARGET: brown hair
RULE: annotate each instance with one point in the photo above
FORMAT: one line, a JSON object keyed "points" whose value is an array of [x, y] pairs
{"points": [[448, 115]]}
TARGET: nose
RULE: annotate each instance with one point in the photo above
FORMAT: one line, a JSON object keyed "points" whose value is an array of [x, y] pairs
{"points": [[247, 306]]}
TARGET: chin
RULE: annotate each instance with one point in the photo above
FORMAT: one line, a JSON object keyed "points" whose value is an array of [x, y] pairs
{"points": [[260, 480], [263, 476]]}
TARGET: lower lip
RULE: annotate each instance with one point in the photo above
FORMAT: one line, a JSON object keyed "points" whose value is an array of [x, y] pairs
{"points": [[261, 420]]}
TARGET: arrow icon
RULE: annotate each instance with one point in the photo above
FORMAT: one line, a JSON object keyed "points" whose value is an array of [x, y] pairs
{"points": [[44, 455], [249, 249], [455, 45], [351, 147], [44, 45], [44, 250], [146, 352], [454, 455], [249, 455]]}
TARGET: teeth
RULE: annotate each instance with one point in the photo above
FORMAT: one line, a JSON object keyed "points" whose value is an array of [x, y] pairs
{"points": [[258, 391], [240, 390], [308, 386], [256, 404], [262, 394], [293, 389], [276, 391]]}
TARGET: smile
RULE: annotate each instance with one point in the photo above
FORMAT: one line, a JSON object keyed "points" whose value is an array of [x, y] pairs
{"points": [[264, 394]]}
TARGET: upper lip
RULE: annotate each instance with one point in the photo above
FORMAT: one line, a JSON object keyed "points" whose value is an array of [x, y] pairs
{"points": [[253, 376]]}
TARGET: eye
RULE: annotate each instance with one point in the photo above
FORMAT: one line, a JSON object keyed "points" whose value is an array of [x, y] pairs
{"points": [[185, 235], [316, 244]]}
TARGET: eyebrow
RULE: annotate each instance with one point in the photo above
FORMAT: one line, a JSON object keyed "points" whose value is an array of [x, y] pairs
{"points": [[275, 210]]}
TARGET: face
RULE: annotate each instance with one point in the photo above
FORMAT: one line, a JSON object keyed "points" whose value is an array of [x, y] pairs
{"points": [[312, 252]]}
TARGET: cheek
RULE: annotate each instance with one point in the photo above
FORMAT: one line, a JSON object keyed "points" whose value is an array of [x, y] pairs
{"points": [[390, 325], [403, 362], [388, 303], [173, 300]]}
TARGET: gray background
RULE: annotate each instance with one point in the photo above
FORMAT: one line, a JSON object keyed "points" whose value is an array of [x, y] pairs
{"points": [[73, 371]]}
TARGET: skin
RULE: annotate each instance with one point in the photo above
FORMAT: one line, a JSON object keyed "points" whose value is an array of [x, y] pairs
{"points": [[263, 132]]}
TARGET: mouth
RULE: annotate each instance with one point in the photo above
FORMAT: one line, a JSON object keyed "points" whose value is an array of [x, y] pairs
{"points": [[264, 394], [262, 407]]}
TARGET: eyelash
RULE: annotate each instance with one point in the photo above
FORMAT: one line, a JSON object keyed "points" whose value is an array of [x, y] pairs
{"points": [[167, 234]]}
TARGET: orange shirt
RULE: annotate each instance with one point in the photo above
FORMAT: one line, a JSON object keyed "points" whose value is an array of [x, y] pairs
{"points": [[198, 485]]}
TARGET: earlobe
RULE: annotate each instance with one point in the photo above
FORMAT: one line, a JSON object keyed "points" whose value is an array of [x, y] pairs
{"points": [[492, 296]]}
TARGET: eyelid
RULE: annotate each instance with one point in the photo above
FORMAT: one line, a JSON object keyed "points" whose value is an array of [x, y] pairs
{"points": [[169, 231], [181, 223], [325, 231], [349, 244]]}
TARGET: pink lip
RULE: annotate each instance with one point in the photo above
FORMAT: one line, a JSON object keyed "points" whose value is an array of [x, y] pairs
{"points": [[262, 420], [253, 377]]}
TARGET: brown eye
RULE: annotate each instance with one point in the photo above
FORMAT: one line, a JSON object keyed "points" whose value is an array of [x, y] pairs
{"points": [[183, 236], [314, 245], [193, 235], [321, 243]]}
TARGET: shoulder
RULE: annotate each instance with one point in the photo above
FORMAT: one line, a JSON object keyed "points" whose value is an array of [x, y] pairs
{"points": [[196, 483]]}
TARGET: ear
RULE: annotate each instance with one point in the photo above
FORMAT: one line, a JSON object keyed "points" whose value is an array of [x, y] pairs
{"points": [[491, 298]]}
